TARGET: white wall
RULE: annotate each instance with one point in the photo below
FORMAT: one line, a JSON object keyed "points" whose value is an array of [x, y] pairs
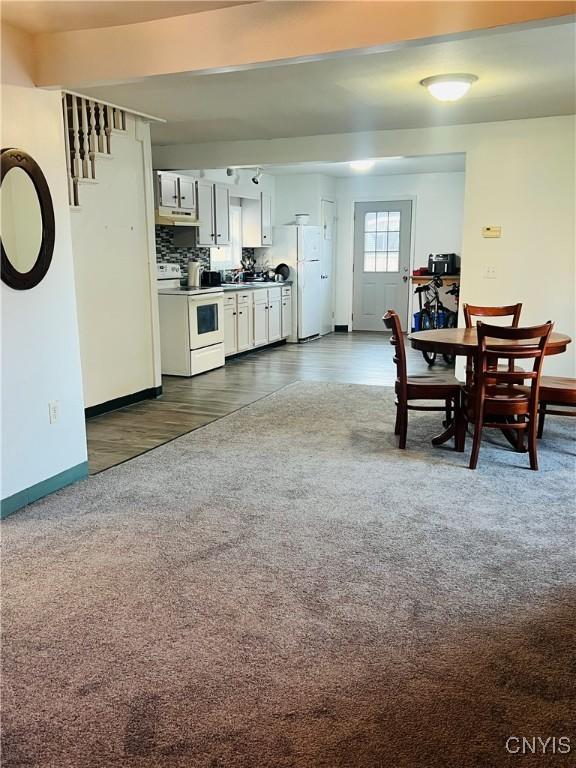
{"points": [[437, 216], [522, 177], [40, 350], [302, 193], [115, 267]]}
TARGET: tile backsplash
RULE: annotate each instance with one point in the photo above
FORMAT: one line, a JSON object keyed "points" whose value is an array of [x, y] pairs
{"points": [[167, 251]]}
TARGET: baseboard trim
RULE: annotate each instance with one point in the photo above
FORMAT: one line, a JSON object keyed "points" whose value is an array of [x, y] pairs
{"points": [[340, 329], [121, 402], [256, 349], [12, 504]]}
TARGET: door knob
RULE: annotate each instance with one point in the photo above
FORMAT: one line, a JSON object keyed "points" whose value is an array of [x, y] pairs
{"points": [[405, 278]]}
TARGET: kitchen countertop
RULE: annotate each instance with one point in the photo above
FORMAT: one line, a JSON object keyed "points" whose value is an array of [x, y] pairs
{"points": [[254, 285], [185, 291]]}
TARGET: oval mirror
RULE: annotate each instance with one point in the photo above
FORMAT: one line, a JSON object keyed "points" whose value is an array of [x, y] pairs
{"points": [[27, 221]]}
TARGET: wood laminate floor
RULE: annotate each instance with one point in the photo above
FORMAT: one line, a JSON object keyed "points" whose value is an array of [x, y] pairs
{"points": [[186, 404]]}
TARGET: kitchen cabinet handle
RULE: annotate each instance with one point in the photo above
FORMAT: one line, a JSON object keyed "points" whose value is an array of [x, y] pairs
{"points": [[239, 313], [233, 313]]}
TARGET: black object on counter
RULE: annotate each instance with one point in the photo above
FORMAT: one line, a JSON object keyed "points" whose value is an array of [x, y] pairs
{"points": [[443, 264], [283, 270], [210, 279]]}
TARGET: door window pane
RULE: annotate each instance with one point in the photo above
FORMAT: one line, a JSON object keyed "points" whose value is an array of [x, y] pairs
{"points": [[370, 241], [370, 262], [393, 241], [393, 261], [381, 261], [370, 222], [382, 225], [382, 241]]}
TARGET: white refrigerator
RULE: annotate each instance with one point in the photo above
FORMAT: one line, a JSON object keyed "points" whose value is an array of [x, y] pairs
{"points": [[300, 248]]}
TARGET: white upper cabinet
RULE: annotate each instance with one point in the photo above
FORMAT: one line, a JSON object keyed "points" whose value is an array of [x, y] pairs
{"points": [[206, 232], [167, 190], [257, 221], [213, 213], [175, 194], [222, 214], [266, 205], [187, 193]]}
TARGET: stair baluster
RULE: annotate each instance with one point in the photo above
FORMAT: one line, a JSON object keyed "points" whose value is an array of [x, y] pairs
{"points": [[108, 116], [101, 130], [92, 137], [85, 143], [76, 160]]}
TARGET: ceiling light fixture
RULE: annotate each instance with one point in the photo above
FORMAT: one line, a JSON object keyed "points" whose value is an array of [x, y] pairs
{"points": [[449, 87], [362, 165]]}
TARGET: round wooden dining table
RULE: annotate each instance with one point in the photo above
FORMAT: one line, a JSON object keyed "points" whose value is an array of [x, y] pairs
{"points": [[464, 342]]}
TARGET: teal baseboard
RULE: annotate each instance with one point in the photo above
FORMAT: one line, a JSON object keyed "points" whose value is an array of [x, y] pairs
{"points": [[28, 495]]}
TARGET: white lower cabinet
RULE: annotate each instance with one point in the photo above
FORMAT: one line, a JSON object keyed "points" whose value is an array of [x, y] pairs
{"points": [[244, 329], [256, 317], [286, 312], [274, 320], [230, 329], [260, 318]]}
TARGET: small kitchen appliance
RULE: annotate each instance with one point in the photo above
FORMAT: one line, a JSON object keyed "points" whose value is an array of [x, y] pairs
{"points": [[443, 264], [194, 274], [210, 279]]}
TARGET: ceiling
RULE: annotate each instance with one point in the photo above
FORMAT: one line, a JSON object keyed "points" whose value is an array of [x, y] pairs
{"points": [[384, 166], [64, 15], [522, 73]]}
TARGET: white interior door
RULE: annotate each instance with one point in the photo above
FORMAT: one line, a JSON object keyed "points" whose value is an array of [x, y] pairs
{"points": [[381, 262], [327, 266]]}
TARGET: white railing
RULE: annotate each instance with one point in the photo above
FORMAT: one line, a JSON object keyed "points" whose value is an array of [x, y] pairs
{"points": [[88, 127]]}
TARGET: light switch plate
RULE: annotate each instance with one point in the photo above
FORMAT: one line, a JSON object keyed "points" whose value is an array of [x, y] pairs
{"points": [[492, 231], [489, 273]]}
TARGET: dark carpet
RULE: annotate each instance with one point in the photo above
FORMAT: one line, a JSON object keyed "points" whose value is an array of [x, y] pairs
{"points": [[285, 589]]}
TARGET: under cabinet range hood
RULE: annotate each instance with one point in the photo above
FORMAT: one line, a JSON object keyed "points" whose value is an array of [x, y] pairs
{"points": [[167, 217]]}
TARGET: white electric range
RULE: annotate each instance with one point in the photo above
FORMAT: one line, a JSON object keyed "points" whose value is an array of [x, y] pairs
{"points": [[191, 325]]}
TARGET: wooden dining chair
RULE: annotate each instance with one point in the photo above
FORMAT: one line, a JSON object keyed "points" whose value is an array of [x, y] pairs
{"points": [[472, 311], [559, 392], [499, 398], [429, 386]]}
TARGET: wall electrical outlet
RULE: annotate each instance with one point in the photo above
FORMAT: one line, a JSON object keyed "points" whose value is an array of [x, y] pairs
{"points": [[489, 273], [492, 231], [53, 411]]}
